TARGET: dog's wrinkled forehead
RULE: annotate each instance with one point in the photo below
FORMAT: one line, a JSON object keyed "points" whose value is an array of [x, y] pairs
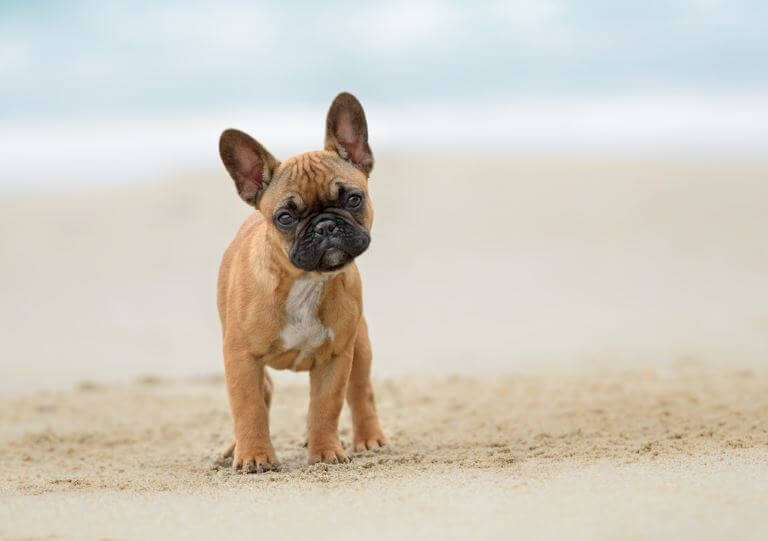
{"points": [[315, 178]]}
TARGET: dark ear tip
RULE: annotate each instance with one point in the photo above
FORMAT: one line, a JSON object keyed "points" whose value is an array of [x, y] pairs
{"points": [[225, 137], [346, 98], [229, 134], [231, 138]]}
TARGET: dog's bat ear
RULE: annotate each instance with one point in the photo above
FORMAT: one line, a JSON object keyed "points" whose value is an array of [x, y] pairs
{"points": [[346, 132], [249, 164]]}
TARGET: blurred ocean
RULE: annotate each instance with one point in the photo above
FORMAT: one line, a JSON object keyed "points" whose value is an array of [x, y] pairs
{"points": [[43, 155], [103, 93]]}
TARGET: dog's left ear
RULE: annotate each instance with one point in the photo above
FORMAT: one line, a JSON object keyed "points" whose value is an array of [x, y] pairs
{"points": [[346, 132]]}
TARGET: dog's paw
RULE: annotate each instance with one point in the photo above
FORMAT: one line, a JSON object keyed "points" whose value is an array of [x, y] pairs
{"points": [[254, 460], [329, 454], [369, 439]]}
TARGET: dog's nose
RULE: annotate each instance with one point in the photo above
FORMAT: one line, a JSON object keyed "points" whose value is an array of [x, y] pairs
{"points": [[325, 228]]}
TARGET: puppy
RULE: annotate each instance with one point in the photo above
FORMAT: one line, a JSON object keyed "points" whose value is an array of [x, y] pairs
{"points": [[289, 292]]}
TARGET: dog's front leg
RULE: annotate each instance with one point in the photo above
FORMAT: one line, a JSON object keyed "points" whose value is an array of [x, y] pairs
{"points": [[328, 384], [246, 384], [365, 420]]}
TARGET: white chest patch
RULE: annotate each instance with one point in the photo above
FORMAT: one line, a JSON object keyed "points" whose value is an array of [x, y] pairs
{"points": [[303, 330]]}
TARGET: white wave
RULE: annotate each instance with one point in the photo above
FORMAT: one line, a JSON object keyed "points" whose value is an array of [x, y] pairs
{"points": [[61, 153]]}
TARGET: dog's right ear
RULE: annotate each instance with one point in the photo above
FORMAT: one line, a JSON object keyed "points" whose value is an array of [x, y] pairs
{"points": [[248, 163]]}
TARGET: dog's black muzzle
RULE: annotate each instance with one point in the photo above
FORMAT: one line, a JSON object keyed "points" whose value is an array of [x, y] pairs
{"points": [[328, 242]]}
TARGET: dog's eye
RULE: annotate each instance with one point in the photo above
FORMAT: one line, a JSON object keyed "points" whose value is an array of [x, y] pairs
{"points": [[284, 218], [354, 201]]}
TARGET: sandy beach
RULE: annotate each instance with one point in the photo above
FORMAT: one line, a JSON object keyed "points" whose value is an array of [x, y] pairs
{"points": [[564, 347], [619, 456]]}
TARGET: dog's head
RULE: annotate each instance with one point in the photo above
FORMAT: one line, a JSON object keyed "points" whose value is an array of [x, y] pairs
{"points": [[316, 204]]}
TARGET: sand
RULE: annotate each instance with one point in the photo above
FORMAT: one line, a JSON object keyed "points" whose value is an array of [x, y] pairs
{"points": [[608, 455], [564, 348]]}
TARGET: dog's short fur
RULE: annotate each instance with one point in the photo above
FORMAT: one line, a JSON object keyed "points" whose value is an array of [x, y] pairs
{"points": [[289, 292]]}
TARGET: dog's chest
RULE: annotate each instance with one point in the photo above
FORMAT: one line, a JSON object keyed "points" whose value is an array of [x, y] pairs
{"points": [[302, 329]]}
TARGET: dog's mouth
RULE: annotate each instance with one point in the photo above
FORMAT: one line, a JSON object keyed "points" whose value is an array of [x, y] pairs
{"points": [[328, 243], [330, 259], [334, 259]]}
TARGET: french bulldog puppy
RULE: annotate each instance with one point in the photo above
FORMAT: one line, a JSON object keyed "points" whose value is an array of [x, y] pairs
{"points": [[289, 292]]}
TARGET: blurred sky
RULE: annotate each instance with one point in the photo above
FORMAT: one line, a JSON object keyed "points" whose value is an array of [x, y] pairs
{"points": [[602, 74]]}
